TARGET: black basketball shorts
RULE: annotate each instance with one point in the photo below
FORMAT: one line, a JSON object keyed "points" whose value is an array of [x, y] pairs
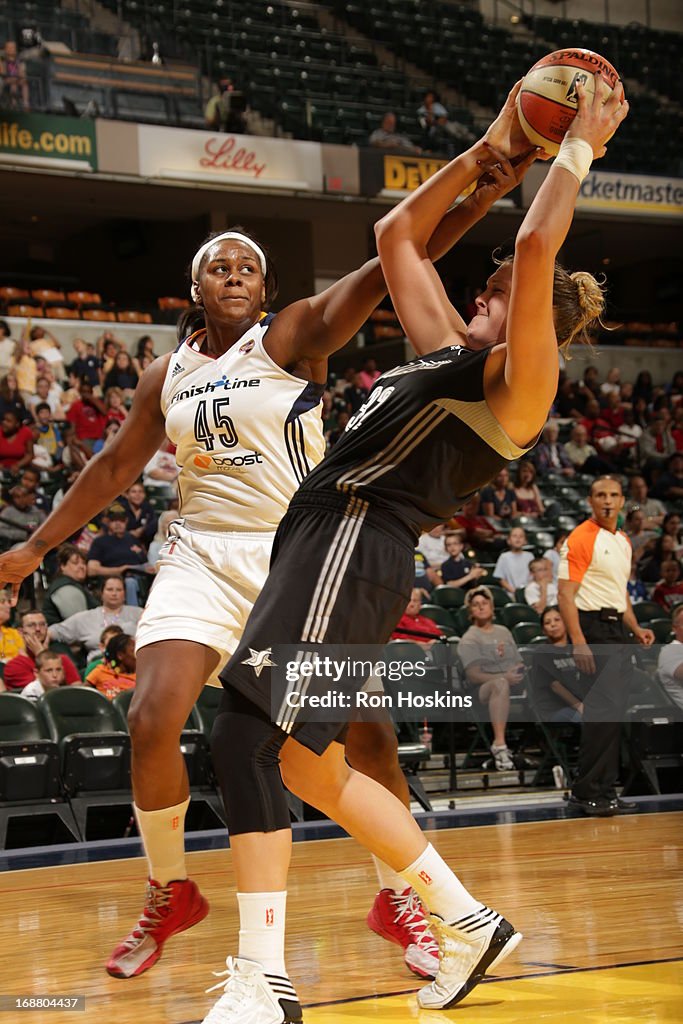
{"points": [[341, 573]]}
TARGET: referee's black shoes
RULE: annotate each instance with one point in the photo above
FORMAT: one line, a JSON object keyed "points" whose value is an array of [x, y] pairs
{"points": [[593, 808], [623, 805]]}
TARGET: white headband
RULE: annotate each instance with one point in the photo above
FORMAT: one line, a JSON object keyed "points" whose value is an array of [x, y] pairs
{"points": [[219, 238]]}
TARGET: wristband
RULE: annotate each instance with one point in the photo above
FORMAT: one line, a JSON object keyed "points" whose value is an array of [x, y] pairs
{"points": [[576, 156]]}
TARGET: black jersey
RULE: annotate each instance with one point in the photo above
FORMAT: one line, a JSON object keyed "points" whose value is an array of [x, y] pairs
{"points": [[422, 443]]}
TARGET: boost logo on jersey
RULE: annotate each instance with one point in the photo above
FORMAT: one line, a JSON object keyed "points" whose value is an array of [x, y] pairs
{"points": [[229, 463]]}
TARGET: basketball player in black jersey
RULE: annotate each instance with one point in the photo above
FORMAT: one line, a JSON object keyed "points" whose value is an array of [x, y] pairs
{"points": [[430, 433]]}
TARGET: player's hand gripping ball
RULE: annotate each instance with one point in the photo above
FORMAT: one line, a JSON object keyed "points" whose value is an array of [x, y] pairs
{"points": [[547, 100]]}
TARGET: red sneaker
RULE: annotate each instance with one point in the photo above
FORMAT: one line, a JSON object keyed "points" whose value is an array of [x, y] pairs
{"points": [[400, 918], [169, 909]]}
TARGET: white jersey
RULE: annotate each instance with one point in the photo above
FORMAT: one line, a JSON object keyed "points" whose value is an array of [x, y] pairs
{"points": [[247, 433]]}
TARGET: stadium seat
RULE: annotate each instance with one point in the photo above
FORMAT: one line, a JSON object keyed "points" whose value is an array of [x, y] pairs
{"points": [[524, 632], [655, 749], [83, 298], [104, 315], [661, 629], [60, 313], [171, 302], [448, 597], [25, 309], [645, 611], [95, 751], [31, 797], [512, 614], [130, 316], [500, 595], [441, 616], [44, 295], [9, 294]]}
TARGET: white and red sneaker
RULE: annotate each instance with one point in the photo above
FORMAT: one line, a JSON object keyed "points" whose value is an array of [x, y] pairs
{"points": [[400, 918], [169, 909]]}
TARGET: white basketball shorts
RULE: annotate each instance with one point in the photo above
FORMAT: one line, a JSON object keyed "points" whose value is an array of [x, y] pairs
{"points": [[205, 588]]}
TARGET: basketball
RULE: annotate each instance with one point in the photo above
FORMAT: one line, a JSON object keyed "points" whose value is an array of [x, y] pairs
{"points": [[548, 99]]}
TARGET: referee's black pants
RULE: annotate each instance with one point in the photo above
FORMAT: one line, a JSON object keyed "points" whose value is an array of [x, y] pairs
{"points": [[604, 707]]}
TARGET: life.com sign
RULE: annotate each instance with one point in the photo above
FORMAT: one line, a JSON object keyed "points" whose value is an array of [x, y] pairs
{"points": [[44, 140]]}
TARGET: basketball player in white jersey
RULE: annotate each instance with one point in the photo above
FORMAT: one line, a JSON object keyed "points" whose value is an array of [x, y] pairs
{"points": [[240, 399]]}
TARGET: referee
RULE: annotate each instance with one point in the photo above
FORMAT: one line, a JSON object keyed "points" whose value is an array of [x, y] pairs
{"points": [[595, 564]]}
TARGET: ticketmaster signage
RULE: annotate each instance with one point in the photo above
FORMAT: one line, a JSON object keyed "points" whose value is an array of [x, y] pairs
{"points": [[247, 161], [45, 140], [626, 193]]}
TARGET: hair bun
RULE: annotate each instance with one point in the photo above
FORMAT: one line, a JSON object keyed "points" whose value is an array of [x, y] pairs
{"points": [[590, 294]]}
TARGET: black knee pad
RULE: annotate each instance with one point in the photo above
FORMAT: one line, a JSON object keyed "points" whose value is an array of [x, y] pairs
{"points": [[246, 755]]}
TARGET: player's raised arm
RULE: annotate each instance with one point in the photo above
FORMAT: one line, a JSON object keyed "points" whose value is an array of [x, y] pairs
{"points": [[532, 329], [404, 235]]}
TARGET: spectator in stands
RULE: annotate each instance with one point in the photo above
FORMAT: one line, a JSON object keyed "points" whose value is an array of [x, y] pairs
{"points": [[21, 669], [43, 344], [113, 403], [670, 662], [671, 526], [144, 353], [629, 435], [612, 411], [637, 591], [549, 455], [652, 508], [75, 453], [49, 675], [583, 455], [30, 479], [512, 567], [43, 396], [559, 687], [386, 137], [439, 134], [116, 672], [541, 590], [142, 519], [663, 550], [105, 637], [498, 498], [569, 401], [85, 628], [415, 627], [107, 346], [354, 395], [492, 662], [110, 431], [553, 553], [677, 427], [368, 374], [24, 366], [433, 547], [11, 398], [47, 441], [656, 444], [669, 486], [458, 571], [669, 590], [19, 518], [86, 365], [7, 346], [226, 110], [641, 538], [612, 385], [529, 501], [643, 386], [479, 532], [15, 91], [16, 442], [593, 420], [67, 594], [88, 416], [421, 579], [342, 420], [122, 375], [161, 472], [11, 640], [116, 553]]}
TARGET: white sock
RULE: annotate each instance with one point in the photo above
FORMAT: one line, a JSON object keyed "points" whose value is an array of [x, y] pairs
{"points": [[438, 888], [262, 929], [163, 836], [388, 878]]}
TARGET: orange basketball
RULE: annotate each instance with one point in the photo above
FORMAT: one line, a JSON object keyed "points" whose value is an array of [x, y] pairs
{"points": [[547, 101]]}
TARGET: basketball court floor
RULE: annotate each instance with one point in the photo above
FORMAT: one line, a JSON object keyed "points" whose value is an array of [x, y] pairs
{"points": [[600, 902]]}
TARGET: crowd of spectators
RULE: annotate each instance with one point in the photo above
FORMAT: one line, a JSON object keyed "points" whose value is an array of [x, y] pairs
{"points": [[54, 417]]}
